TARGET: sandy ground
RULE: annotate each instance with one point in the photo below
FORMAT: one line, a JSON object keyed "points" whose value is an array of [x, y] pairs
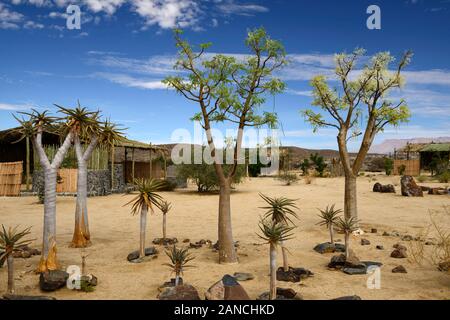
{"points": [[115, 233]]}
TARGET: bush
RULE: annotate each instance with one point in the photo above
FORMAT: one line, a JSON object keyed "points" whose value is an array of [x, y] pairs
{"points": [[444, 177], [288, 178], [388, 166], [169, 185], [401, 169], [305, 165], [421, 178], [204, 175], [319, 163]]}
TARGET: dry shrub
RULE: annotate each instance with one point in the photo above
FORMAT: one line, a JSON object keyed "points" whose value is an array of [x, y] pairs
{"points": [[437, 230], [309, 179]]}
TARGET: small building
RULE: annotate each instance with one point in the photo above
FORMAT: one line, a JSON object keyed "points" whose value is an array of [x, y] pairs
{"points": [[435, 155]]}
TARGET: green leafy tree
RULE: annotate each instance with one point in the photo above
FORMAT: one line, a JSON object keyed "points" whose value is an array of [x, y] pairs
{"points": [[228, 90], [318, 162], [305, 165], [360, 100], [388, 166]]}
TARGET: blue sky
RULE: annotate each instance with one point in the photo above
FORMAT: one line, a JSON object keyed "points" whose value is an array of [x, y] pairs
{"points": [[124, 48]]}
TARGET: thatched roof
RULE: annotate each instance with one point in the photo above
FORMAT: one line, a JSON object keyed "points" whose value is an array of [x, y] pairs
{"points": [[436, 147]]}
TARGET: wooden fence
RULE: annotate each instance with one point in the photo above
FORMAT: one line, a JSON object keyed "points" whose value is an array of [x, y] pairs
{"points": [[67, 180], [412, 167], [10, 178]]}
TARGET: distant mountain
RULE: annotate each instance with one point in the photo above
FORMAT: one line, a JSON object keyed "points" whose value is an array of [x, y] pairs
{"points": [[388, 146]]}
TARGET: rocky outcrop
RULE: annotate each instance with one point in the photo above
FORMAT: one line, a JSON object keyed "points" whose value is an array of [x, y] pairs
{"points": [[410, 188]]}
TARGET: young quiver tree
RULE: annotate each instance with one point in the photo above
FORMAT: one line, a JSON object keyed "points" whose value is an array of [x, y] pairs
{"points": [[228, 90], [86, 130], [274, 234], [360, 101], [329, 217], [43, 122], [347, 226], [179, 259], [146, 198], [165, 207], [280, 210], [10, 240]]}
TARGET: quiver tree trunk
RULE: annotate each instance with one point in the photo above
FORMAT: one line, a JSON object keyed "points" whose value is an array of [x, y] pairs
{"points": [[10, 262], [273, 272], [164, 226], [177, 279], [284, 251], [143, 225], [347, 244], [227, 251], [330, 228], [350, 203], [81, 235]]}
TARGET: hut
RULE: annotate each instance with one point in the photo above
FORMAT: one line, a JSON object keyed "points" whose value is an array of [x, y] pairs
{"points": [[435, 157]]}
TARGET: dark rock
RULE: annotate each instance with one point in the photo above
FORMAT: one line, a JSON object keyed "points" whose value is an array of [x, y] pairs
{"points": [[372, 263], [171, 283], [444, 266], [226, 289], [380, 247], [181, 292], [186, 240], [355, 297], [165, 242], [337, 261], [386, 234], [438, 191], [134, 256], [399, 254], [353, 271], [399, 247], [424, 188], [399, 269], [373, 230], [288, 276], [20, 297], [365, 242], [407, 237], [378, 187], [195, 245], [429, 243], [243, 276], [282, 294], [53, 280], [302, 272], [327, 247], [410, 188]]}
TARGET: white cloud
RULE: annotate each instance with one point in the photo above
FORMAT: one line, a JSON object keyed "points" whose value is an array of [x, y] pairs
{"points": [[131, 82], [305, 93], [231, 7], [107, 6], [9, 19], [33, 25], [14, 107]]}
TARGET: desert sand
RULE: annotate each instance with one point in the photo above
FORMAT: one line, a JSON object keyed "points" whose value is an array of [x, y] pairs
{"points": [[115, 233]]}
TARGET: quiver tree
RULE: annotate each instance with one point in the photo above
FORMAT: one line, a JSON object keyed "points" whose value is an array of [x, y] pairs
{"points": [[10, 240], [329, 217], [146, 198], [360, 100], [280, 211], [165, 207], [42, 122], [26, 131], [86, 129], [179, 259], [347, 226], [227, 90], [274, 234]]}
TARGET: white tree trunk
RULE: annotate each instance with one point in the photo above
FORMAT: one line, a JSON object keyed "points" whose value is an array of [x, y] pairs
{"points": [[347, 244], [143, 225], [285, 257], [331, 233], [164, 226]]}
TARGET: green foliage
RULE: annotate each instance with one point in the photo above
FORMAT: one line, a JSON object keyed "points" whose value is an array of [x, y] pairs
{"points": [[305, 166], [388, 166], [319, 163], [421, 178], [329, 216], [444, 177], [273, 232], [179, 259], [11, 239], [288, 178], [401, 169], [204, 175], [347, 225], [165, 206], [147, 194], [438, 164], [280, 209]]}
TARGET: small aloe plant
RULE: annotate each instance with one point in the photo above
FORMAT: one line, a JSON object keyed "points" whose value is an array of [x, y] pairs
{"points": [[347, 226], [10, 240], [274, 234], [179, 259], [165, 207], [329, 217]]}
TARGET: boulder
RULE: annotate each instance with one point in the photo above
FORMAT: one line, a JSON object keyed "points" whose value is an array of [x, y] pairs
{"points": [[365, 242], [399, 247], [327, 247], [407, 237], [165, 242], [444, 266], [181, 292], [438, 191], [388, 188], [243, 276], [373, 230], [302, 272], [288, 276], [399, 269], [379, 247], [399, 254], [226, 289], [282, 294], [53, 280], [337, 261], [424, 188], [186, 240], [134, 256], [410, 188]]}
